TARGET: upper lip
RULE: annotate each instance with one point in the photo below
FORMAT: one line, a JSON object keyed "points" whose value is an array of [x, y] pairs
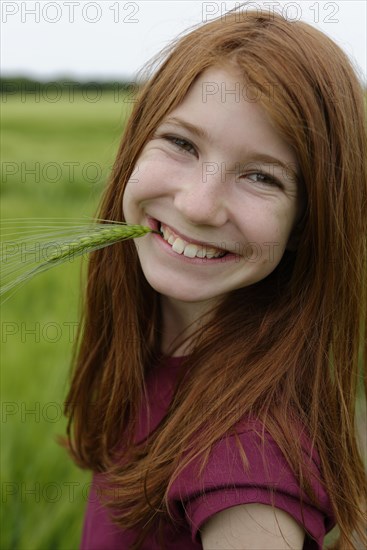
{"points": [[155, 224]]}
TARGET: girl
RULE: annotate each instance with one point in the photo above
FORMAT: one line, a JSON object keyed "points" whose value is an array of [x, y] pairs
{"points": [[216, 379]]}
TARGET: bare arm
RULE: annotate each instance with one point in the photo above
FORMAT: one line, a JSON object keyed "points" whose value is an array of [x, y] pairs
{"points": [[252, 527]]}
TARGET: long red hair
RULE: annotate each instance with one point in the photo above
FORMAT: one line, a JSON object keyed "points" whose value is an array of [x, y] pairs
{"points": [[289, 347]]}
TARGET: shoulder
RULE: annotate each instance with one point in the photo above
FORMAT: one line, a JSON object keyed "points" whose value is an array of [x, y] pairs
{"points": [[260, 496], [250, 527]]}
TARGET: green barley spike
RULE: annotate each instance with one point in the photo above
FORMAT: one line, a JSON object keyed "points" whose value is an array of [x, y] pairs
{"points": [[64, 249], [99, 238]]}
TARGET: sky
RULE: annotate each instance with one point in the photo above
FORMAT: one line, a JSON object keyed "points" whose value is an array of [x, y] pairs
{"points": [[111, 40]]}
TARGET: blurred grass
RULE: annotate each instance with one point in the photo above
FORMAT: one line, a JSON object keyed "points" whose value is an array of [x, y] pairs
{"points": [[43, 493]]}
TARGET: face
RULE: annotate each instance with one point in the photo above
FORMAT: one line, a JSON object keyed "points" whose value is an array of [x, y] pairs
{"points": [[219, 182]]}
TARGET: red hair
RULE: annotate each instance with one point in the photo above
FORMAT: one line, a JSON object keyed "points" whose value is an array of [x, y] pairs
{"points": [[296, 339]]}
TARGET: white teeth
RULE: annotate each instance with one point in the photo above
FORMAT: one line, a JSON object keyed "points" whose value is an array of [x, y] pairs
{"points": [[201, 253], [178, 246], [190, 250], [211, 253]]}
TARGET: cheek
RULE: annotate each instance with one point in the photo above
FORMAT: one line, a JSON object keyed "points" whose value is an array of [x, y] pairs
{"points": [[264, 253], [131, 200], [267, 237], [126, 202], [262, 224], [137, 188], [146, 180]]}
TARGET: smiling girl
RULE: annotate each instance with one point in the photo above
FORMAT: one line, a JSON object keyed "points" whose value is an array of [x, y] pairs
{"points": [[215, 387]]}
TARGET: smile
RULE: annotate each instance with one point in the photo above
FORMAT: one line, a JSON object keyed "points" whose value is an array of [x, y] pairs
{"points": [[189, 249]]}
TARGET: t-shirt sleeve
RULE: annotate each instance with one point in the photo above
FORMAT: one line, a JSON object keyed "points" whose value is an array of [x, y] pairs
{"points": [[225, 483]]}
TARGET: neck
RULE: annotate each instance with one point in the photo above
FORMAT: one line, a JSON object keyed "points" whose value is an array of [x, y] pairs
{"points": [[181, 320]]}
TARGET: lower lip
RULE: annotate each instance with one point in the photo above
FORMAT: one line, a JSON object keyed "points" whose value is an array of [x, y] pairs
{"points": [[195, 261]]}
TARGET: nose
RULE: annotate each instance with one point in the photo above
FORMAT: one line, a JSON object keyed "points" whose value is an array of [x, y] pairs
{"points": [[203, 200]]}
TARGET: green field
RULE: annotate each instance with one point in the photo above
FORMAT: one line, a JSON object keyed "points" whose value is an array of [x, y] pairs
{"points": [[56, 159]]}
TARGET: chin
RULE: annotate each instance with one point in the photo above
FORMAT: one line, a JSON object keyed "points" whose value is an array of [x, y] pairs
{"points": [[187, 294]]}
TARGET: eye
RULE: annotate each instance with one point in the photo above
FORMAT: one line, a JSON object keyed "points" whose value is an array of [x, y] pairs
{"points": [[265, 179], [181, 144]]}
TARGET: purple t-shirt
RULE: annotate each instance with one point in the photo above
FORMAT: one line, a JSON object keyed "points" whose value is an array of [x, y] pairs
{"points": [[225, 484]]}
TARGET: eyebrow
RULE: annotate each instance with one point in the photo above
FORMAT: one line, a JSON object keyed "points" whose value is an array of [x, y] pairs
{"points": [[254, 155], [196, 130]]}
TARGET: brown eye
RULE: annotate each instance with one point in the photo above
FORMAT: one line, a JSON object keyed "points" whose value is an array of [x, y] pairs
{"points": [[181, 143], [265, 179]]}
